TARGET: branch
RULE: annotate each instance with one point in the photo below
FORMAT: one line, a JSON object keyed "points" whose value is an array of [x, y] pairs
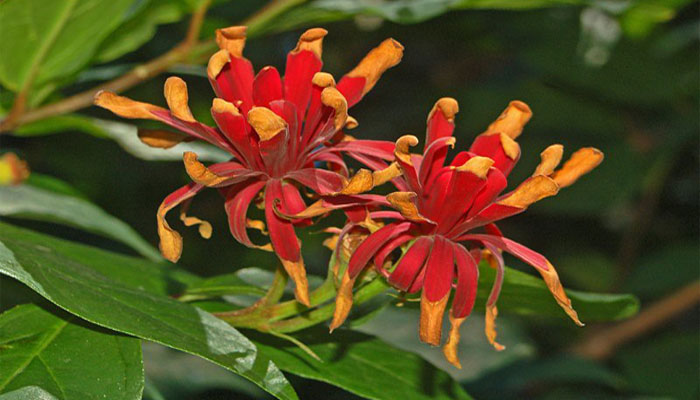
{"points": [[143, 72], [603, 344]]}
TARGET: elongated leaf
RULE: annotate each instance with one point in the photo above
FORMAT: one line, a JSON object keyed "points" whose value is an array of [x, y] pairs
{"points": [[66, 357], [228, 284], [28, 392], [526, 294], [25, 201], [88, 283], [48, 40], [364, 365]]}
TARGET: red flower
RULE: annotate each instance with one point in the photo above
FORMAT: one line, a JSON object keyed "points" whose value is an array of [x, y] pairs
{"points": [[439, 206], [275, 129]]}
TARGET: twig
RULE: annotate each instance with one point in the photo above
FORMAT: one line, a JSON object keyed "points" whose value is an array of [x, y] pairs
{"points": [[153, 68], [603, 344]]}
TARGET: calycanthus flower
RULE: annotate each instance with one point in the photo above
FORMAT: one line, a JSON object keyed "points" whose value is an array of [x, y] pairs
{"points": [[439, 208], [276, 130]]}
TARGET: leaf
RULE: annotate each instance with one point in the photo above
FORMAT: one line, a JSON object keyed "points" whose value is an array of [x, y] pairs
{"points": [[140, 27], [126, 135], [28, 392], [25, 201], [227, 284], [525, 294], [66, 357], [362, 364], [45, 41], [104, 288]]}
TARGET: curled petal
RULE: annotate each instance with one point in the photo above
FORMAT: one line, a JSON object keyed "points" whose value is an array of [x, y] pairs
{"points": [[296, 271], [490, 329], [311, 40], [554, 285], [170, 241], [360, 182], [404, 202], [441, 119], [369, 247], [331, 97], [581, 162], [125, 107], [176, 95], [512, 120], [510, 147], [200, 173], [323, 80], [403, 145], [449, 350], [431, 315], [532, 190], [205, 229], [550, 158], [162, 139], [232, 39], [371, 68], [266, 123], [411, 264], [216, 63], [343, 301], [477, 165], [351, 123]]}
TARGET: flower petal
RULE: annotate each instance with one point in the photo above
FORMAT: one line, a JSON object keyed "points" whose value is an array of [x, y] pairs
{"points": [[267, 87], [162, 139], [431, 315], [441, 120], [232, 39], [171, 241], [302, 63], [581, 162], [439, 270], [238, 199], [511, 121], [221, 174], [503, 150], [550, 158], [125, 107], [343, 301], [467, 280], [176, 95], [356, 83], [530, 191], [411, 264], [319, 180], [449, 350], [369, 247]]}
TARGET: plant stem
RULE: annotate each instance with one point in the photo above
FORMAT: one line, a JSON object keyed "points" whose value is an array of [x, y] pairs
{"points": [[143, 72]]}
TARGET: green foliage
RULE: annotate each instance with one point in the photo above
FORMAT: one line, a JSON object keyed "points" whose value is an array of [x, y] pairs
{"points": [[363, 365], [66, 357], [94, 285]]}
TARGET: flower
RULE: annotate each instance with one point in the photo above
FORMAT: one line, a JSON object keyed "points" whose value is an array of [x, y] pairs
{"points": [[13, 170], [276, 129], [439, 207]]}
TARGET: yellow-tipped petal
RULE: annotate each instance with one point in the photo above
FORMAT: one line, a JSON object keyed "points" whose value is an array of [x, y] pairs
{"points": [[311, 40], [581, 162], [550, 159], [217, 62], [404, 204], [323, 79], [13, 170], [161, 139], [447, 106], [510, 147], [266, 123], [205, 229], [221, 106], [296, 271], [257, 225], [170, 241], [511, 121], [490, 329], [343, 302], [449, 350], [385, 175], [551, 278], [177, 97], [351, 123], [331, 97], [125, 107], [402, 148], [360, 182], [477, 165], [199, 173], [232, 39], [378, 60], [532, 190], [431, 314]]}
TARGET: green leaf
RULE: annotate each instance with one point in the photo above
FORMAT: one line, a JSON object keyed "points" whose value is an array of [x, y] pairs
{"points": [[227, 284], [44, 41], [66, 357], [140, 27], [28, 392], [362, 364], [105, 289], [525, 294], [25, 201]]}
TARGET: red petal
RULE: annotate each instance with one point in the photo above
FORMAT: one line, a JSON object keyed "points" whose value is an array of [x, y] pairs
{"points": [[433, 159], [529, 256], [267, 87], [411, 264], [235, 83], [238, 199], [369, 247], [439, 270], [467, 279], [351, 88], [392, 245], [375, 148], [237, 130], [490, 146], [301, 68], [195, 129], [282, 235], [495, 183], [319, 180], [439, 124]]}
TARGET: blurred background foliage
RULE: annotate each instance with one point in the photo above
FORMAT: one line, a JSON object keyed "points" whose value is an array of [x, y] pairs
{"points": [[622, 76]]}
